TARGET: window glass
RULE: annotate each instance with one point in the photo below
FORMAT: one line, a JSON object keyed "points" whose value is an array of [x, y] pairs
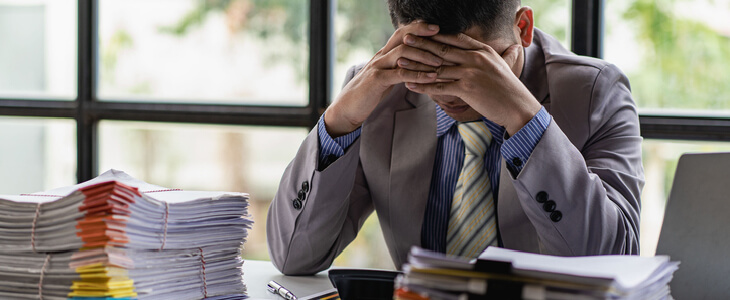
{"points": [[552, 17], [36, 154], [660, 162], [232, 51], [361, 29], [675, 52], [246, 159], [38, 49]]}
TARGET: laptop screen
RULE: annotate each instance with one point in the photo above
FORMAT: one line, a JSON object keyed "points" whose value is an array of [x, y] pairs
{"points": [[696, 228]]}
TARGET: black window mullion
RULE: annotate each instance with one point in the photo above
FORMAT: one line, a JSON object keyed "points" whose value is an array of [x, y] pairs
{"points": [[321, 37], [202, 113], [86, 123], [587, 27], [37, 108], [695, 128]]}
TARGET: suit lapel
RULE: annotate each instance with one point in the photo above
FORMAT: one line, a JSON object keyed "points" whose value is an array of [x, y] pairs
{"points": [[412, 159]]}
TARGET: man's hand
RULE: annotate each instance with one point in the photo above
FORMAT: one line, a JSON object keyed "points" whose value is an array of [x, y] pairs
{"points": [[393, 64], [481, 77]]}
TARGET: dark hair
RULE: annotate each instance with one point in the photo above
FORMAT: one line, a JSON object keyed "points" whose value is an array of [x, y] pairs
{"points": [[494, 17]]}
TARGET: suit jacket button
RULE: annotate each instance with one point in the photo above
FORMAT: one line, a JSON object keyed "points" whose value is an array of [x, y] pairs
{"points": [[296, 204], [556, 216], [517, 161], [302, 195], [541, 197], [549, 206], [305, 186]]}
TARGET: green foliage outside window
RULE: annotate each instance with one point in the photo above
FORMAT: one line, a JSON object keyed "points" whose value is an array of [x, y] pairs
{"points": [[360, 25], [684, 63]]}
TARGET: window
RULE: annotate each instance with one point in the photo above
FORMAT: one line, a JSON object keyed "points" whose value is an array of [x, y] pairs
{"points": [[553, 17], [38, 53], [204, 51], [218, 94], [36, 154], [676, 53]]}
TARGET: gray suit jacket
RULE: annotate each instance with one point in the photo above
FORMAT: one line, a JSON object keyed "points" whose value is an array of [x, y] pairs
{"points": [[588, 161]]}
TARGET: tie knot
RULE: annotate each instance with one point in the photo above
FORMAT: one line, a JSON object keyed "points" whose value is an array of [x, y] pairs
{"points": [[476, 137]]}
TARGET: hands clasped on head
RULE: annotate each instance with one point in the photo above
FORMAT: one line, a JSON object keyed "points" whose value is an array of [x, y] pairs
{"points": [[455, 70]]}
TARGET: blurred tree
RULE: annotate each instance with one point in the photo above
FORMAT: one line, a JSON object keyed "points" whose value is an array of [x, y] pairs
{"points": [[552, 17], [684, 63], [118, 42], [281, 23], [368, 25], [368, 21], [361, 25]]}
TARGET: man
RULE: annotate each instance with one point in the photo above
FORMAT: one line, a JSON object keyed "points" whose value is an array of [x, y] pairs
{"points": [[469, 129]]}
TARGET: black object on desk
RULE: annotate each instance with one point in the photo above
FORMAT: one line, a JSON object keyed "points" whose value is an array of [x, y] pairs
{"points": [[354, 284]]}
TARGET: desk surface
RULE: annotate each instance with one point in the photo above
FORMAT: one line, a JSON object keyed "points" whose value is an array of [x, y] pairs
{"points": [[256, 274]]}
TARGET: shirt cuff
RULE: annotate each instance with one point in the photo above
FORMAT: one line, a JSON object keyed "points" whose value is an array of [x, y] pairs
{"points": [[517, 149], [330, 149]]}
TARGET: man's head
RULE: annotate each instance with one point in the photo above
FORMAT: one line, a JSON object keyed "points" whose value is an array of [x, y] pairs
{"points": [[497, 23], [493, 17]]}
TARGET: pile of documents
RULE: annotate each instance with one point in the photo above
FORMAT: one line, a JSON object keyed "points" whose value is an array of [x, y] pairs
{"points": [[115, 237], [507, 274]]}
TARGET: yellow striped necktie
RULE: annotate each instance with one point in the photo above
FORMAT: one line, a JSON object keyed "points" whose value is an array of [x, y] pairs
{"points": [[472, 224]]}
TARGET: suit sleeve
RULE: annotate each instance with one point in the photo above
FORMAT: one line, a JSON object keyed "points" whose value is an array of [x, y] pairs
{"points": [[330, 149], [587, 201], [318, 209], [519, 147]]}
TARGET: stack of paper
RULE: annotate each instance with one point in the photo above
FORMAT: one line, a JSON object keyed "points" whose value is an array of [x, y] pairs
{"points": [[21, 274], [118, 237], [507, 274]]}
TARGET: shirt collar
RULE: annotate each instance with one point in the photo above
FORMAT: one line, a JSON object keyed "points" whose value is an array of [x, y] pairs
{"points": [[444, 123]]}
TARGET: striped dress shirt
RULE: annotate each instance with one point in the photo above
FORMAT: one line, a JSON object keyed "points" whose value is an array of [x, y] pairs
{"points": [[448, 162]]}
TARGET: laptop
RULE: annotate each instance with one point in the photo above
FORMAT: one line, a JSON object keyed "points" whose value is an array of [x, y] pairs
{"points": [[696, 229]]}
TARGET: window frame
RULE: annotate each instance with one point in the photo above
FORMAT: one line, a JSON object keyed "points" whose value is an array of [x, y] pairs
{"points": [[587, 39]]}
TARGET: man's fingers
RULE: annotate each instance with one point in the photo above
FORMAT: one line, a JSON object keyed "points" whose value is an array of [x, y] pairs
{"points": [[414, 65], [447, 52], [436, 88], [399, 75], [390, 60], [450, 73], [417, 28], [511, 55], [459, 40]]}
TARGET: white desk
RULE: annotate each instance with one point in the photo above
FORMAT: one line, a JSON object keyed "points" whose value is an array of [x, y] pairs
{"points": [[256, 274]]}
